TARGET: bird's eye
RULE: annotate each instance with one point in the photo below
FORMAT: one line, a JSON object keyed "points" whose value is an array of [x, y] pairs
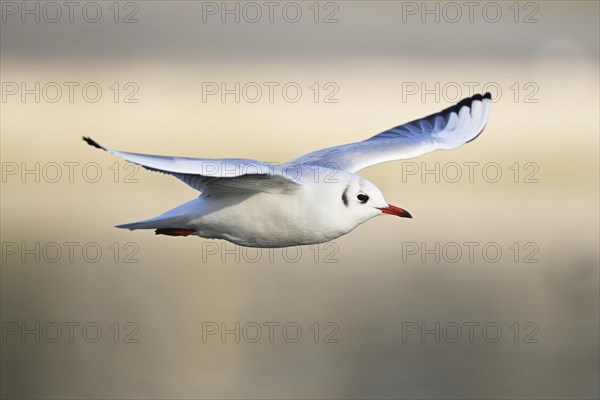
{"points": [[363, 198]]}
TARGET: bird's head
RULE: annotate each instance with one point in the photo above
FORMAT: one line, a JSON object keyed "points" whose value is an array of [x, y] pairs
{"points": [[364, 200]]}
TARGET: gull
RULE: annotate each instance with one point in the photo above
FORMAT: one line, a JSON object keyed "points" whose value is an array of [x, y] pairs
{"points": [[311, 199]]}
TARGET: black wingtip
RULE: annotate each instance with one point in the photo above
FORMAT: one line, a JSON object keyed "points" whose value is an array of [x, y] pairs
{"points": [[468, 101], [92, 142], [476, 97]]}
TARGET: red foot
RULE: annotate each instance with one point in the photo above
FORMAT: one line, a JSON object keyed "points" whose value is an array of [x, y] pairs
{"points": [[174, 231]]}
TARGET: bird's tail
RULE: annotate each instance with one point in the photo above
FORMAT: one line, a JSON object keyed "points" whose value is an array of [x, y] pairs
{"points": [[155, 223], [151, 223]]}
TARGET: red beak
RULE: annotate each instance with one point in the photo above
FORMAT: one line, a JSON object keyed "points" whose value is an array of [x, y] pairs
{"points": [[393, 210]]}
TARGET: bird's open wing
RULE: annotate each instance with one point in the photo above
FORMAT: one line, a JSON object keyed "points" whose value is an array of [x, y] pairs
{"points": [[447, 129], [213, 174]]}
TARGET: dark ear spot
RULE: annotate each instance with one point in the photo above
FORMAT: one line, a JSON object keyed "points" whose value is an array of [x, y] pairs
{"points": [[345, 196]]}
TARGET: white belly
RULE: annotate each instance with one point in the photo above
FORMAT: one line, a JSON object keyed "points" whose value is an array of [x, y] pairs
{"points": [[265, 220]]}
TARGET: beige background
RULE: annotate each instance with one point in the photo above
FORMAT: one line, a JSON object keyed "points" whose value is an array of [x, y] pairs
{"points": [[370, 291]]}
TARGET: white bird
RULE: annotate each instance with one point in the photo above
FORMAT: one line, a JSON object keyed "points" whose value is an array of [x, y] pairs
{"points": [[311, 199]]}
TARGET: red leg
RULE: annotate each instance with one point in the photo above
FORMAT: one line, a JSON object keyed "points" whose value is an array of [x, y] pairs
{"points": [[174, 231]]}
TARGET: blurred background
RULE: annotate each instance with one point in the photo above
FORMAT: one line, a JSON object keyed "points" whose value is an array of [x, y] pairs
{"points": [[491, 291]]}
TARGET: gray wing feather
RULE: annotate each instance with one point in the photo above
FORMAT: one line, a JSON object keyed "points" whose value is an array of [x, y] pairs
{"points": [[444, 130], [216, 174]]}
